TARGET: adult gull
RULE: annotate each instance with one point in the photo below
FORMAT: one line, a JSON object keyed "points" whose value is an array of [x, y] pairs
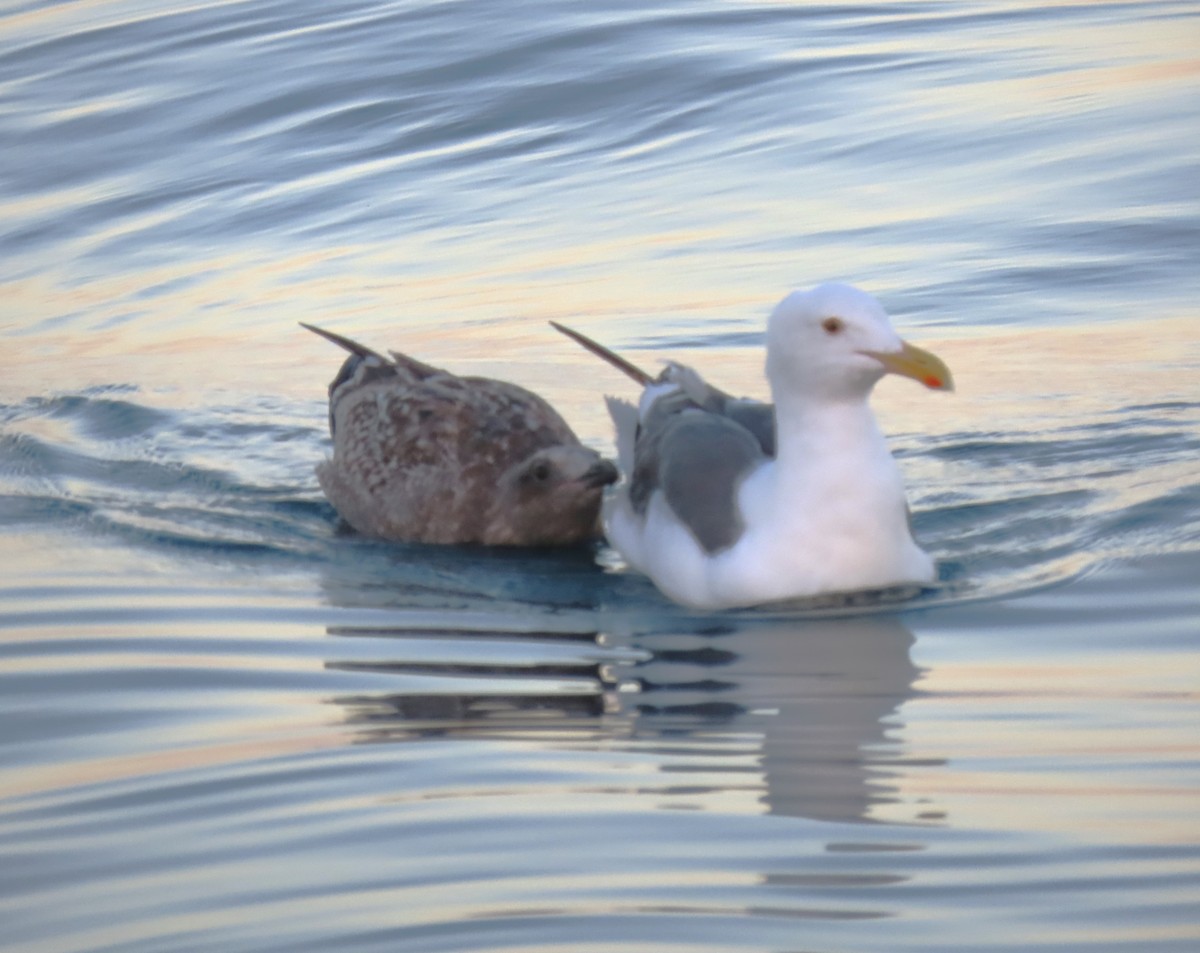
{"points": [[730, 502], [423, 455]]}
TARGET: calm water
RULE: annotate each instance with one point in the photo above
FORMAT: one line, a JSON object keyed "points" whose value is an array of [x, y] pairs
{"points": [[225, 726]]}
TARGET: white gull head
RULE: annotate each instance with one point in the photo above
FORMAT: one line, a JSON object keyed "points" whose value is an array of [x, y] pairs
{"points": [[834, 342]]}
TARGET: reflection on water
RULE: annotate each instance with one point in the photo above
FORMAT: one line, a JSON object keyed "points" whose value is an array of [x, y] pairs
{"points": [[269, 769], [811, 706]]}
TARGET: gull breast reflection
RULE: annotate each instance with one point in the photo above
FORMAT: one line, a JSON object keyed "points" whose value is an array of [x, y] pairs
{"points": [[821, 696]]}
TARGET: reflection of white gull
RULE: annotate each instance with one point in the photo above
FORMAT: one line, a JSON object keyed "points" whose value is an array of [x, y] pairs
{"points": [[821, 695], [422, 455], [725, 508]]}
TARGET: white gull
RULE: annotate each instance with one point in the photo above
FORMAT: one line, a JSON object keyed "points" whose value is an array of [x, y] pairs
{"points": [[729, 502]]}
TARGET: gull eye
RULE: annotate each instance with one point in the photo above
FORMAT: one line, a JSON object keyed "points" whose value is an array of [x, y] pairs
{"points": [[541, 472], [832, 325]]}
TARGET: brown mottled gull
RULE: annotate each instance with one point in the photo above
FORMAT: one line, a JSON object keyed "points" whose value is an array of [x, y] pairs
{"points": [[732, 503], [423, 455]]}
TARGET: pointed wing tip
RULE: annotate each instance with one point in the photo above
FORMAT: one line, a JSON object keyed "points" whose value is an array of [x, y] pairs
{"points": [[629, 369], [343, 342]]}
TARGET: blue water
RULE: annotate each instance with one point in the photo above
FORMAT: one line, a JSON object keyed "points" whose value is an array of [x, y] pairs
{"points": [[227, 725]]}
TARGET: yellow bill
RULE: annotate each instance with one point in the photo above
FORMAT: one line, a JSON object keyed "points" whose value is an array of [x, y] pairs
{"points": [[915, 362]]}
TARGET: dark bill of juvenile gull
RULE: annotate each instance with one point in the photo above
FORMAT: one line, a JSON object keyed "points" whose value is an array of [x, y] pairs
{"points": [[423, 455], [731, 502]]}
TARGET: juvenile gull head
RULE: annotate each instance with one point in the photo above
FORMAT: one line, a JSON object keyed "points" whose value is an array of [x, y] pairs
{"points": [[423, 455]]}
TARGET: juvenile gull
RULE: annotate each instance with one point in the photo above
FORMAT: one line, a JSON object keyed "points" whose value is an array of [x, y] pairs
{"points": [[730, 502], [422, 455]]}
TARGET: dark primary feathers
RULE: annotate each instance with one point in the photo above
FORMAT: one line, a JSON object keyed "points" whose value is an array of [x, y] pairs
{"points": [[423, 455], [694, 443], [756, 416]]}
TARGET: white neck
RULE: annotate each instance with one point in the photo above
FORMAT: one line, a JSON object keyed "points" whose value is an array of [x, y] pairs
{"points": [[828, 513], [812, 436]]}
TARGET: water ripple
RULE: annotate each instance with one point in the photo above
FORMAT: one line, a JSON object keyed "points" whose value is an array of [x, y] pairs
{"points": [[229, 726]]}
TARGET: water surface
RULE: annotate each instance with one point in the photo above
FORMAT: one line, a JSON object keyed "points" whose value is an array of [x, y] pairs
{"points": [[225, 725]]}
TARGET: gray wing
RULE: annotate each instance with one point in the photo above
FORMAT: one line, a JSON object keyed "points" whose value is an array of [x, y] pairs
{"points": [[754, 415], [696, 444], [698, 460]]}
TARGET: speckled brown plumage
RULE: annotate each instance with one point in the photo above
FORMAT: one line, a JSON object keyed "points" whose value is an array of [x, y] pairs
{"points": [[423, 455]]}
